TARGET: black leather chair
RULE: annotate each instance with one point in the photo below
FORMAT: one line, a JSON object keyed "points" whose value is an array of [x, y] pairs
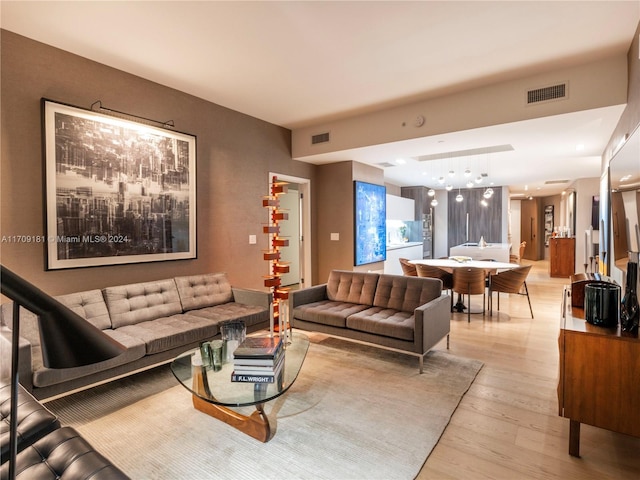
{"points": [[46, 450]]}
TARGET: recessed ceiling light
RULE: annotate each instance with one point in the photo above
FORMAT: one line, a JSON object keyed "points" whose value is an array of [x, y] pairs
{"points": [[579, 147], [400, 161]]}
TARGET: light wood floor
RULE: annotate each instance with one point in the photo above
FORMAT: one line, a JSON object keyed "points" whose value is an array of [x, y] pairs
{"points": [[507, 425]]}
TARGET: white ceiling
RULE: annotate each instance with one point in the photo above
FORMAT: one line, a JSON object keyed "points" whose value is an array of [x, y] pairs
{"points": [[297, 64]]}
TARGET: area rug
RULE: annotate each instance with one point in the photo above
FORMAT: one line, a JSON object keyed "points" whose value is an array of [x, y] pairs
{"points": [[355, 412]]}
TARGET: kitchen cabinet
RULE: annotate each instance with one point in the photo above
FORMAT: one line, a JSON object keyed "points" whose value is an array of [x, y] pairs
{"points": [[424, 214], [469, 220], [562, 256], [598, 377], [409, 250]]}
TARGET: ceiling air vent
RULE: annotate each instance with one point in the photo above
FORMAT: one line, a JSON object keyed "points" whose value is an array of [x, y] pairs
{"points": [[544, 94], [555, 182], [320, 138], [386, 164]]}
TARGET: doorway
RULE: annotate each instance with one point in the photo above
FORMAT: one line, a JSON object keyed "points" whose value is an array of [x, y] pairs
{"points": [[297, 229]]}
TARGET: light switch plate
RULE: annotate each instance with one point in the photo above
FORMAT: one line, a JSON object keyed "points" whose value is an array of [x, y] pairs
{"points": [[335, 236], [252, 240]]}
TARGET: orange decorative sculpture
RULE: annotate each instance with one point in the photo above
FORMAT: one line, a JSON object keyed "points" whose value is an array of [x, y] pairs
{"points": [[279, 311]]}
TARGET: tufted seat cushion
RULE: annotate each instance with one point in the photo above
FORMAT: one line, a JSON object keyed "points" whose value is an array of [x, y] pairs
{"points": [[43, 376], [63, 454], [199, 291], [34, 420], [250, 314], [328, 312], [165, 333], [386, 322]]}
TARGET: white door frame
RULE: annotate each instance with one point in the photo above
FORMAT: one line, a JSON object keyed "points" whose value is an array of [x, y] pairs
{"points": [[305, 214]]}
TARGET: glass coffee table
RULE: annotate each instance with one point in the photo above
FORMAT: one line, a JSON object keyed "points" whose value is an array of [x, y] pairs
{"points": [[215, 394]]}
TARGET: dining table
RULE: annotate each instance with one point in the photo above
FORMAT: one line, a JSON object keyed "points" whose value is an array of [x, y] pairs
{"points": [[464, 262]]}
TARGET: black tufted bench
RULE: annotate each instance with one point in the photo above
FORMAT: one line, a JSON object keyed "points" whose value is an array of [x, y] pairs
{"points": [[45, 450], [34, 420], [62, 453]]}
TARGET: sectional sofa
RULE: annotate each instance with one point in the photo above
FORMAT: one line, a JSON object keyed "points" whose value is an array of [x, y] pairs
{"points": [[399, 312], [156, 321]]}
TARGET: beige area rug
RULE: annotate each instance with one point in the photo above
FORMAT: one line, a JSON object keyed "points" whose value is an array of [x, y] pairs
{"points": [[355, 412]]}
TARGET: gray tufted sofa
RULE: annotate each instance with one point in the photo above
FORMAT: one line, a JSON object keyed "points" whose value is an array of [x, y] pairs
{"points": [[156, 321], [394, 311]]}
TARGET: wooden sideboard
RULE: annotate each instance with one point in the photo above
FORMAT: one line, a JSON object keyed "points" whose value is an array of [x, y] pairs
{"points": [[562, 256], [599, 381]]}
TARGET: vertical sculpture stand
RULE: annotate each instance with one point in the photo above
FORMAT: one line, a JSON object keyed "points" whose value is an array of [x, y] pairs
{"points": [[279, 315]]}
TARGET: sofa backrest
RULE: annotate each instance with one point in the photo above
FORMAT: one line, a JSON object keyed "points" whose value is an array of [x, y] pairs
{"points": [[141, 302], [405, 293], [199, 291], [89, 305], [352, 287]]}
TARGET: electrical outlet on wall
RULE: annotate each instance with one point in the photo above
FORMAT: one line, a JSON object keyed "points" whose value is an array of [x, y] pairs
{"points": [[252, 240], [335, 237]]}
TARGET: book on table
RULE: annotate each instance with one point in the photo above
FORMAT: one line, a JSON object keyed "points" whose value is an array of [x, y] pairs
{"points": [[257, 374], [266, 348]]}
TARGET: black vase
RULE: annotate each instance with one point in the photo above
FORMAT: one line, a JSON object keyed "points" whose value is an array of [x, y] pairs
{"points": [[629, 309]]}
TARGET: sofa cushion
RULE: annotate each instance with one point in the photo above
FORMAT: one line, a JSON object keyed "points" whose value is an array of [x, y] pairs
{"points": [[89, 305], [166, 333], [142, 302], [386, 322], [327, 312], [44, 377], [405, 293], [198, 291], [352, 287], [250, 314]]}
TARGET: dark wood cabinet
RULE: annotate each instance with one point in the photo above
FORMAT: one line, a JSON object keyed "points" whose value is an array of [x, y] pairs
{"points": [[562, 257], [598, 382], [470, 219], [423, 212]]}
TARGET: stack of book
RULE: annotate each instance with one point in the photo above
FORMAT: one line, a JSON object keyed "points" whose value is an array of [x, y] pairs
{"points": [[258, 360]]}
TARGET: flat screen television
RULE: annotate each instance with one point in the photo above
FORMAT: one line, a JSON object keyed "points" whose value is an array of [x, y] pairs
{"points": [[370, 210]]}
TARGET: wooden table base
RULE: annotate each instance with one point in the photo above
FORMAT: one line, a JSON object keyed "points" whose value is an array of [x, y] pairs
{"points": [[255, 425]]}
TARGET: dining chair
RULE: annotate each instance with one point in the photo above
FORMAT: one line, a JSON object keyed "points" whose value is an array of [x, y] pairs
{"points": [[518, 258], [437, 272], [408, 268], [509, 281], [469, 281]]}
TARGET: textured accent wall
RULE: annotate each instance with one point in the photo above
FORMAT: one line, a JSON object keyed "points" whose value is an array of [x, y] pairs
{"points": [[235, 154], [334, 208]]}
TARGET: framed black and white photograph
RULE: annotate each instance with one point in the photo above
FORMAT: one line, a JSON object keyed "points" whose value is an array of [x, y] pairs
{"points": [[117, 191]]}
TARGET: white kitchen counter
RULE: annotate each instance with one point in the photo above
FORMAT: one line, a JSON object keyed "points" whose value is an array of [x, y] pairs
{"points": [[396, 251], [492, 251]]}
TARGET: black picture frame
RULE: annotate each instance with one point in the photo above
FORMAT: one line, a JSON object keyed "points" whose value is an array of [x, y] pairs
{"points": [[117, 191]]}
